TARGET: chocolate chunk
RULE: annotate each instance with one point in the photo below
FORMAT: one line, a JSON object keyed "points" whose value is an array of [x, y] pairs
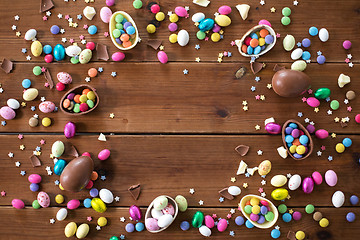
{"points": [[291, 235], [224, 192], [70, 151], [242, 149], [256, 67], [240, 73], [135, 190], [7, 65], [48, 79], [46, 5], [35, 161], [102, 52], [343, 124], [278, 68], [154, 43]]}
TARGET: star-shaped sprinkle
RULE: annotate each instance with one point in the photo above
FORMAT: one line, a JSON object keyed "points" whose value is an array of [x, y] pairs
{"points": [[197, 59], [103, 178], [197, 46], [316, 110], [278, 35], [253, 88], [185, 71], [89, 218], [272, 9], [263, 194], [52, 221], [259, 152], [277, 227], [244, 103], [60, 16], [245, 185], [346, 101], [13, 27], [245, 108], [262, 2], [113, 74], [257, 79], [247, 175], [257, 127], [122, 219], [269, 86], [22, 147], [100, 69], [295, 3], [228, 216], [336, 119], [122, 236], [1, 90], [42, 141], [221, 199], [48, 13], [62, 31], [347, 60], [232, 233], [233, 179], [112, 115], [323, 148], [42, 99], [98, 227], [351, 64], [22, 173], [229, 54], [192, 190], [288, 175], [44, 18], [216, 14], [319, 53], [319, 153], [3, 123], [79, 16], [3, 193], [329, 112], [261, 190], [306, 120], [330, 158], [117, 198], [161, 47], [17, 164], [349, 56], [349, 108], [24, 50], [263, 182], [106, 34], [56, 182], [16, 17], [28, 57], [11, 155], [201, 202], [333, 135], [169, 13], [87, 79]]}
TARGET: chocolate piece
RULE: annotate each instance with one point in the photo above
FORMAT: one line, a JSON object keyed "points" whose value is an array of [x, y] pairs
{"points": [[7, 65], [70, 151], [342, 124], [35, 161], [77, 173], [48, 78], [224, 192], [154, 43], [290, 83], [46, 5], [291, 235], [240, 73], [242, 149], [102, 52], [135, 191], [278, 68], [256, 67]]}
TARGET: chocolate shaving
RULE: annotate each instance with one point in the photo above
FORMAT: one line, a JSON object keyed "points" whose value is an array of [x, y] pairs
{"points": [[48, 78], [240, 73], [291, 235], [242, 149], [154, 43], [46, 5], [135, 191], [256, 67], [278, 68], [35, 161], [7, 65], [102, 52], [342, 124], [224, 192]]}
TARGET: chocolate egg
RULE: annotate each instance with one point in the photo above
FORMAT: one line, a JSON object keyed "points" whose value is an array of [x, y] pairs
{"points": [[290, 83], [77, 173]]}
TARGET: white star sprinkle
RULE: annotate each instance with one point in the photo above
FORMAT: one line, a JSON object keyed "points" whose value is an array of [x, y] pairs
{"points": [[288, 175], [122, 219], [192, 191], [17, 18], [277, 227], [319, 153], [262, 2], [42, 99], [59, 15], [48, 13], [63, 40], [17, 164], [98, 227], [28, 57], [52, 221], [11, 155], [13, 27], [201, 202], [295, 3], [62, 31], [232, 211], [263, 182], [117, 198], [259, 152]]}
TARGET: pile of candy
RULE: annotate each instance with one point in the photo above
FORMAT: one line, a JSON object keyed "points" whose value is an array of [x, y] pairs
{"points": [[296, 140], [259, 210], [257, 42], [76, 102], [124, 32]]}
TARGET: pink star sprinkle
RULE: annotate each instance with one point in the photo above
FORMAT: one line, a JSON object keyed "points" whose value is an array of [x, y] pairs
{"points": [[45, 18], [81, 37], [42, 141], [228, 216], [214, 215], [206, 39], [278, 35], [89, 219], [43, 69], [71, 40], [349, 108], [225, 54], [106, 34], [187, 16], [20, 136], [46, 84], [232, 43], [310, 91], [85, 26], [323, 148], [304, 99], [3, 193], [67, 17], [261, 190], [257, 97], [24, 90], [347, 60]]}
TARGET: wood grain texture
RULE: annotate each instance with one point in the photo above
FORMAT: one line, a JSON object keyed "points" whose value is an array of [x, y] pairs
{"points": [[174, 164], [329, 14], [338, 228], [160, 98]]}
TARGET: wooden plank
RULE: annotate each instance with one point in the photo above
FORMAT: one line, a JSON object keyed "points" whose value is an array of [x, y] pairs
{"points": [[21, 219], [323, 14], [174, 164], [160, 98]]}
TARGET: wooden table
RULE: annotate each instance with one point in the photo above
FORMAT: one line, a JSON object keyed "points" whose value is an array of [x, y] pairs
{"points": [[172, 132]]}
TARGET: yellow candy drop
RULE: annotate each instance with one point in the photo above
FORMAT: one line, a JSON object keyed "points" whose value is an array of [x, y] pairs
{"points": [[255, 209], [300, 235], [215, 37], [151, 28], [102, 221], [261, 42], [300, 149], [292, 149], [61, 187], [254, 201], [46, 121], [173, 18], [59, 199], [324, 222], [173, 38], [340, 148], [160, 16]]}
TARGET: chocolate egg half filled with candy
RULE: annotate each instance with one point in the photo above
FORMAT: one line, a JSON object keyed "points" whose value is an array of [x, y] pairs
{"points": [[290, 83], [77, 173]]}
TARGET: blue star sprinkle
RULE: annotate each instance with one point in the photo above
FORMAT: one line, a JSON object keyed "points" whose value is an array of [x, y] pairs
{"points": [[319, 53], [257, 79], [221, 199], [232, 233], [300, 114], [330, 158], [103, 178], [33, 108], [327, 99], [299, 44], [247, 175], [79, 17], [221, 36], [122, 236], [56, 109], [253, 88], [24, 50], [38, 148], [3, 123], [197, 46], [229, 54], [185, 71], [100, 69]]}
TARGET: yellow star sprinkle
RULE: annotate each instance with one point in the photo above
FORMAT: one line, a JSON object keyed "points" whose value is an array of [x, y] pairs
{"points": [[333, 135], [18, 34], [343, 120], [197, 59], [219, 60], [51, 156], [75, 25], [23, 104], [257, 127], [272, 10], [161, 47], [245, 108], [221, 32], [221, 55], [22, 147], [288, 197], [112, 115], [262, 97], [269, 86], [316, 110], [233, 179], [336, 119], [291, 211], [196, 24], [245, 185], [38, 153], [244, 103]]}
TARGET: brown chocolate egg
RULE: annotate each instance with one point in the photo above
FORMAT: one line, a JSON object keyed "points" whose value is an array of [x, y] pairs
{"points": [[290, 83], [77, 173]]}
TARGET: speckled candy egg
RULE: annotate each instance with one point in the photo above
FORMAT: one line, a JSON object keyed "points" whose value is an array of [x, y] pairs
{"points": [[30, 94], [85, 56], [181, 202], [7, 113], [264, 167], [64, 77], [43, 199], [13, 103], [160, 202], [72, 50], [169, 209], [82, 231], [57, 149], [224, 10], [209, 221], [331, 178], [294, 182], [135, 213], [278, 180], [47, 107], [36, 48], [222, 225], [152, 224], [105, 14]]}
